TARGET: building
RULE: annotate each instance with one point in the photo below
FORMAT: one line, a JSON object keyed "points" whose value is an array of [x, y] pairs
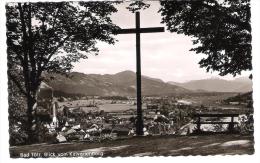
{"points": [[46, 106]]}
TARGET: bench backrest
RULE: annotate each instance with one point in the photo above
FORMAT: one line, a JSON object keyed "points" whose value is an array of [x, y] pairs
{"points": [[214, 115]]}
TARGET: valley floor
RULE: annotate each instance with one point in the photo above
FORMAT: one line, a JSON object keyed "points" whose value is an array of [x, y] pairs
{"points": [[219, 144]]}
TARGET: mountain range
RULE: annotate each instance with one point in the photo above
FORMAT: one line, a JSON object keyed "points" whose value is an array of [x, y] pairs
{"points": [[124, 84], [242, 84], [119, 84]]}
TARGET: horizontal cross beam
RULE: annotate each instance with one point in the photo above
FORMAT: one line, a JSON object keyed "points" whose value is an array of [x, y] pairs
{"points": [[141, 30]]}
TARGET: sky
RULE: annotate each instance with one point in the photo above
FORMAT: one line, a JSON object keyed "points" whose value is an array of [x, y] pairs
{"points": [[163, 55]]}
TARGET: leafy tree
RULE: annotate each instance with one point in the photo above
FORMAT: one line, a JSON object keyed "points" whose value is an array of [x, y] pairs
{"points": [[51, 37], [221, 30]]}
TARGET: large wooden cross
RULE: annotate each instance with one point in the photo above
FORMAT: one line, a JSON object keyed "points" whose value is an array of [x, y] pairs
{"points": [[137, 31]]}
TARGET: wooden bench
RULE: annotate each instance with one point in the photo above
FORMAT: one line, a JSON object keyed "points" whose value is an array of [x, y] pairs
{"points": [[231, 123]]}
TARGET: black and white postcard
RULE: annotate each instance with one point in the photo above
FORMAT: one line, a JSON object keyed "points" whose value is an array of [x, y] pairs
{"points": [[99, 79]]}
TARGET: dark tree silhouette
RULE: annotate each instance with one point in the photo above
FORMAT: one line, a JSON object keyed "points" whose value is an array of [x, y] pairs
{"points": [[51, 37], [221, 30]]}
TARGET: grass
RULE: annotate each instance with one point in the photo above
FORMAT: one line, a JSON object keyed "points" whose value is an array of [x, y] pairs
{"points": [[219, 144]]}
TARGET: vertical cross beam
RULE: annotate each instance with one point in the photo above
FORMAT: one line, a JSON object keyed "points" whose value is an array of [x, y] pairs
{"points": [[139, 122]]}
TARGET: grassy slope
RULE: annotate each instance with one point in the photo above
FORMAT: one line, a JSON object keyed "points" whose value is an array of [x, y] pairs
{"points": [[157, 145]]}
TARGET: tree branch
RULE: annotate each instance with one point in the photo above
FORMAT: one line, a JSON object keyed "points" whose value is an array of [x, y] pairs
{"points": [[17, 83], [48, 39], [60, 44]]}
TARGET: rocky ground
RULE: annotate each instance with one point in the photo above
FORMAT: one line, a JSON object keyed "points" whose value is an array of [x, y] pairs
{"points": [[220, 144]]}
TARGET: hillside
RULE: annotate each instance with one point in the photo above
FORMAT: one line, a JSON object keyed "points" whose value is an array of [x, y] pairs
{"points": [[242, 98], [218, 144], [218, 85], [119, 84]]}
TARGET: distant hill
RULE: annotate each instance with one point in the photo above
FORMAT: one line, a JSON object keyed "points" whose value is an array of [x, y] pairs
{"points": [[241, 84], [245, 97], [119, 84]]}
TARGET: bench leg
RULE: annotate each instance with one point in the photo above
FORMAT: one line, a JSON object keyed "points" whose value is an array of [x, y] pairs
{"points": [[231, 125], [198, 125]]}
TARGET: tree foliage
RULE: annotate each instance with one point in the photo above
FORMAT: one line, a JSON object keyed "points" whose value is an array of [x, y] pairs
{"points": [[17, 115], [137, 5], [51, 37], [221, 30]]}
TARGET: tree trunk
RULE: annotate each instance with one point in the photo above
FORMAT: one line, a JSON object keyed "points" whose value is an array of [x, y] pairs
{"points": [[30, 103]]}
